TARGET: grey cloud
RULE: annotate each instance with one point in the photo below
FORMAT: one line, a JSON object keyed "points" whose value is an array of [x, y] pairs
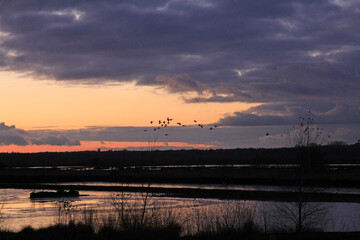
{"points": [[59, 140], [280, 114], [128, 39], [181, 83], [12, 135], [3, 127], [251, 119], [221, 137]]}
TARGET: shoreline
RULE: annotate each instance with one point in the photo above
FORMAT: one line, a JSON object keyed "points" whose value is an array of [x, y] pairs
{"points": [[279, 196]]}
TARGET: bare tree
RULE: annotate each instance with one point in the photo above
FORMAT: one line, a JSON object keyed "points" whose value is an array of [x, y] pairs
{"points": [[302, 214], [153, 141], [305, 134], [307, 137]]}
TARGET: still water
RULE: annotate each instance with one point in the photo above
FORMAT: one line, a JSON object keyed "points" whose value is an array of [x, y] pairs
{"points": [[17, 210]]}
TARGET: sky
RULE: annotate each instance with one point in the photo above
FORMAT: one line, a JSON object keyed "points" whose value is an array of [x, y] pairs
{"points": [[83, 75]]}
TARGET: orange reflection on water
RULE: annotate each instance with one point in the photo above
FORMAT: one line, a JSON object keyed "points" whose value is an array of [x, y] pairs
{"points": [[94, 145], [19, 211]]}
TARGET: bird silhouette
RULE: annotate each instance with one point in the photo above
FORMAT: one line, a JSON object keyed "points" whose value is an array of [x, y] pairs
{"points": [[178, 123], [195, 121], [267, 134], [151, 122], [145, 130], [211, 128], [215, 126], [166, 134]]}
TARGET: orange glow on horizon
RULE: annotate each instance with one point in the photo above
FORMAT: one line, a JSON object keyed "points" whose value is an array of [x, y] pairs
{"points": [[94, 145]]}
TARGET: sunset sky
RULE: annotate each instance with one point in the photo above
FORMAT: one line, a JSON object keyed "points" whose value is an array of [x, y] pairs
{"points": [[83, 75]]}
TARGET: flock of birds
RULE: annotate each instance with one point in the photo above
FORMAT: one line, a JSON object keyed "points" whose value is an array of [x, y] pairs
{"points": [[168, 121]]}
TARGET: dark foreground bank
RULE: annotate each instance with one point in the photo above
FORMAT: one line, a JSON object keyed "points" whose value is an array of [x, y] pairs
{"points": [[81, 231]]}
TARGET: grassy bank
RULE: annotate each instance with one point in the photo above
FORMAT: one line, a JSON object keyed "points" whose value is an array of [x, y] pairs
{"points": [[86, 232]]}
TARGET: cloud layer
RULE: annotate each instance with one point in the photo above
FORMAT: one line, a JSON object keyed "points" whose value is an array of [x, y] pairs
{"points": [[289, 114], [10, 135], [221, 137], [288, 53]]}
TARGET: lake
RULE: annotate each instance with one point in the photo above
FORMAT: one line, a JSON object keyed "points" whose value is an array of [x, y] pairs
{"points": [[18, 210]]}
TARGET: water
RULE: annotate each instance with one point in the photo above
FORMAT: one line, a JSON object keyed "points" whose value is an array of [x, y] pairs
{"points": [[19, 211]]}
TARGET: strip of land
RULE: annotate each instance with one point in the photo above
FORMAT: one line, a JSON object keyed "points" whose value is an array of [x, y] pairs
{"points": [[288, 196]]}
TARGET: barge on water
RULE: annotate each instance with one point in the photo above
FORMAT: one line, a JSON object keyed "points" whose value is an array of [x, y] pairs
{"points": [[52, 194]]}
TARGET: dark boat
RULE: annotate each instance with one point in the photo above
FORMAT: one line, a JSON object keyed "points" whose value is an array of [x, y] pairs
{"points": [[57, 194]]}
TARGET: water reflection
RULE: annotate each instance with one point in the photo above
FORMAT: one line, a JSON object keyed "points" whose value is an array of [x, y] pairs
{"points": [[194, 214]]}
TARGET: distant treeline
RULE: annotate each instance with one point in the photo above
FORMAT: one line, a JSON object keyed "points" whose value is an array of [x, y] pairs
{"points": [[325, 154]]}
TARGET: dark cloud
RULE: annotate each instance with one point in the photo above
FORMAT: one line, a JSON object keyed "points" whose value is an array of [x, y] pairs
{"points": [[181, 83], [276, 52], [221, 137], [11, 135], [52, 140], [278, 114]]}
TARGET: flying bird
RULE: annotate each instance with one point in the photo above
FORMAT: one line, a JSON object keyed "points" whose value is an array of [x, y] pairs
{"points": [[151, 122], [267, 134], [195, 121], [211, 128]]}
